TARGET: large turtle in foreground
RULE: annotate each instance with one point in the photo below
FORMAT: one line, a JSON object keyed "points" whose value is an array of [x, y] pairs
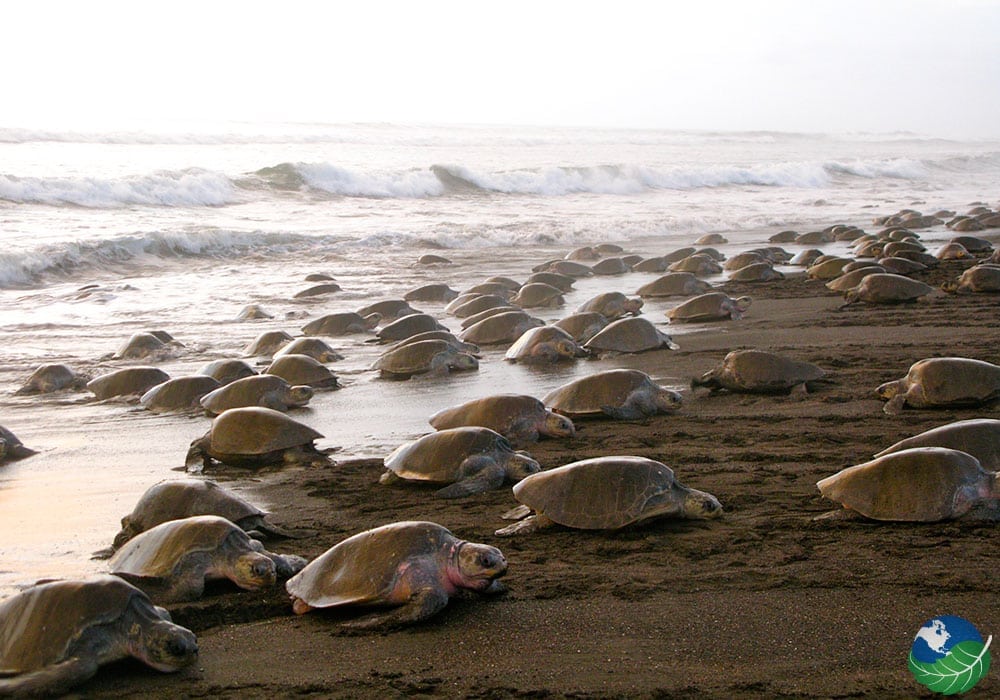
{"points": [[625, 394], [518, 417], [255, 437], [922, 484], [759, 372], [412, 567], [470, 460], [174, 499], [55, 635], [172, 560], [605, 493], [942, 381], [979, 437]]}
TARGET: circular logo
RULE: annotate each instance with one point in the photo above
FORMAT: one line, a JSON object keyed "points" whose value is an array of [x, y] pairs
{"points": [[949, 655]]}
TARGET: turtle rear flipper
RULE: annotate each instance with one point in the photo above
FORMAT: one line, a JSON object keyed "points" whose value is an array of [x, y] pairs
{"points": [[424, 603], [51, 680]]}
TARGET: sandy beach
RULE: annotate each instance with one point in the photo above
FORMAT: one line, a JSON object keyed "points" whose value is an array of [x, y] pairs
{"points": [[761, 603]]}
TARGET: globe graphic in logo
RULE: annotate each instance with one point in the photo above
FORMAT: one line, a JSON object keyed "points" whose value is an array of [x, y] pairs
{"points": [[949, 655]]}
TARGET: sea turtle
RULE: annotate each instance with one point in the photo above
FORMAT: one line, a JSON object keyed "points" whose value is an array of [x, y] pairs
{"points": [[852, 278], [389, 309], [175, 499], [126, 382], [586, 252], [712, 239], [316, 348], [341, 323], [504, 327], [52, 377], [253, 312], [317, 290], [805, 258], [952, 251], [900, 266], [696, 264], [582, 326], [518, 417], [492, 289], [435, 292], [979, 437], [11, 447], [432, 259], [712, 306], [633, 334], [446, 336], [813, 238], [303, 369], [973, 244], [625, 394], [759, 372], [425, 357], [267, 343], [920, 484], [569, 268], [942, 381], [674, 284], [544, 344], [462, 298], [178, 394], [757, 272], [268, 390], [564, 283], [612, 305], [54, 635], [141, 346], [611, 266], [538, 294], [508, 282], [783, 237], [743, 259], [319, 277], [486, 313], [171, 561], [227, 371], [413, 567], [255, 437], [978, 279], [478, 304], [886, 288], [470, 459], [679, 254], [409, 325], [828, 269], [657, 263], [605, 493]]}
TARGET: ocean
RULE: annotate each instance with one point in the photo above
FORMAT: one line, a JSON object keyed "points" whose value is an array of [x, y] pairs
{"points": [[178, 227]]}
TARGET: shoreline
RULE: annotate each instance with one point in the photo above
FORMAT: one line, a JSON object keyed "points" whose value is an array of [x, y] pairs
{"points": [[763, 602]]}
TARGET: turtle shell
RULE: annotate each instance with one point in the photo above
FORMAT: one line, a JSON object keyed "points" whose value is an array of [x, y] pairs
{"points": [[226, 371], [585, 396], [414, 358], [952, 381], [49, 378], [582, 326], [564, 283], [267, 343], [922, 484], [256, 431], [409, 325], [156, 552], [979, 437], [674, 284], [611, 266], [633, 334], [127, 381], [302, 369], [181, 498], [38, 625], [756, 272], [178, 394], [887, 288], [538, 294], [706, 307], [316, 348], [436, 457], [477, 305], [341, 323], [140, 345], [438, 292], [502, 328], [499, 412], [611, 305], [524, 347], [603, 493], [257, 390], [388, 309], [758, 371], [363, 568]]}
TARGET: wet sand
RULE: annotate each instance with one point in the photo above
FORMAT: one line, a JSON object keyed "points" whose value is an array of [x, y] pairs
{"points": [[762, 603]]}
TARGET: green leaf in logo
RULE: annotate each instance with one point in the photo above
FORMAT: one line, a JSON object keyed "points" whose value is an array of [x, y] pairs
{"points": [[965, 664]]}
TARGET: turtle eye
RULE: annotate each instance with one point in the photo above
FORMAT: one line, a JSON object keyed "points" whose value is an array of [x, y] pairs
{"points": [[485, 561]]}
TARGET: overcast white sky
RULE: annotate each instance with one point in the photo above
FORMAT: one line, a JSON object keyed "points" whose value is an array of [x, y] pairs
{"points": [[929, 66]]}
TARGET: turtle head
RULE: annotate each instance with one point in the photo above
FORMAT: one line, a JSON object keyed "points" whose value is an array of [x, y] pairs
{"points": [[707, 380], [557, 425], [632, 305], [299, 395], [155, 640], [521, 465], [372, 320], [889, 390], [739, 307], [128, 531], [477, 566], [698, 504], [668, 401], [464, 361], [254, 570]]}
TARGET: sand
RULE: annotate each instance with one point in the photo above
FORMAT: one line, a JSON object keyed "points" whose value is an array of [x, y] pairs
{"points": [[762, 603]]}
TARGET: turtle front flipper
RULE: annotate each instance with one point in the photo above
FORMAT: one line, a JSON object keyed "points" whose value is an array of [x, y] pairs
{"points": [[633, 409], [424, 603], [531, 524], [486, 478], [287, 565], [50, 681]]}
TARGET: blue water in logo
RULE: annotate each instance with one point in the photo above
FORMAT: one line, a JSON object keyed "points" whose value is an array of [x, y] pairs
{"points": [[936, 638]]}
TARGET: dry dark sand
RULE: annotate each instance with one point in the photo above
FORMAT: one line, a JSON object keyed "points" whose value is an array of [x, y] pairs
{"points": [[763, 603]]}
